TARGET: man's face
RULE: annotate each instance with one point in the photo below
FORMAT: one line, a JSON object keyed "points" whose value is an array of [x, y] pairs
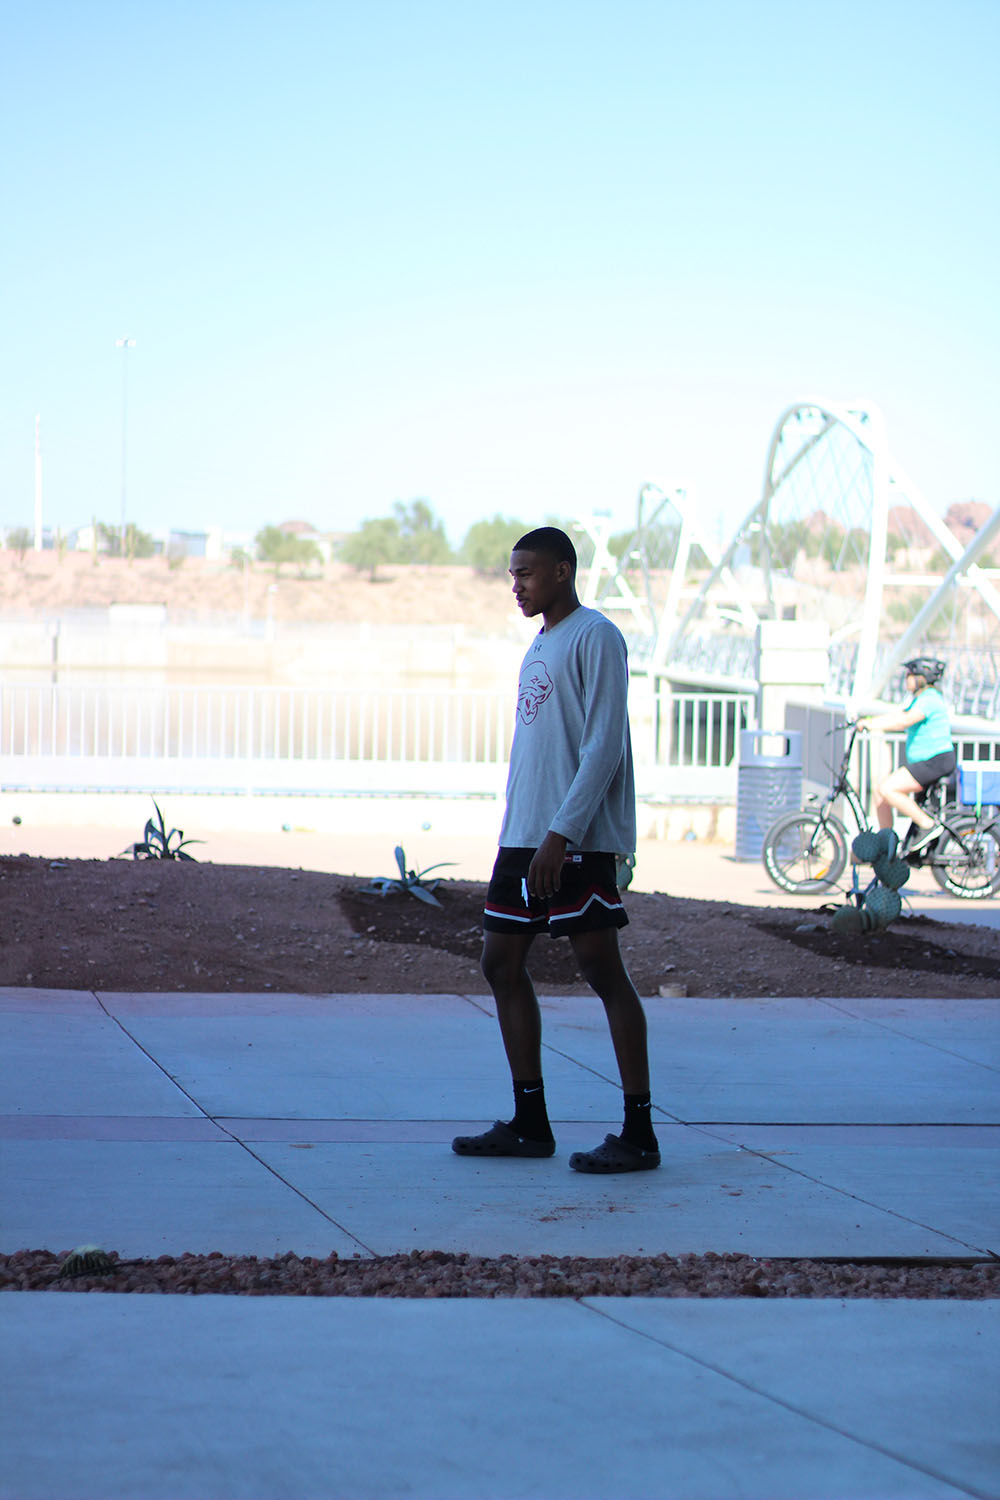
{"points": [[538, 581]]}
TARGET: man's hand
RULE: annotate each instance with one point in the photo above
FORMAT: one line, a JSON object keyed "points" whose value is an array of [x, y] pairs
{"points": [[545, 870]]}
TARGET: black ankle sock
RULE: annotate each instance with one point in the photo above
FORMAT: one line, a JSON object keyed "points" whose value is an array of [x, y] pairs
{"points": [[638, 1127], [530, 1115]]}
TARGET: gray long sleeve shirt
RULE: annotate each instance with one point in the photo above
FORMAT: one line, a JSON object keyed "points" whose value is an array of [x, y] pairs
{"points": [[571, 760]]}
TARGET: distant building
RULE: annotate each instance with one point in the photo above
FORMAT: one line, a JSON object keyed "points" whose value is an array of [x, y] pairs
{"points": [[187, 543]]}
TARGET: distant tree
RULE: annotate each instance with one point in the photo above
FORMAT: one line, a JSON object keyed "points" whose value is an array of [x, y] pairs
{"points": [[854, 548], [422, 536], [660, 543], [307, 555], [377, 542], [20, 539], [282, 548], [786, 539], [487, 544], [832, 546], [109, 539], [903, 609], [137, 543]]}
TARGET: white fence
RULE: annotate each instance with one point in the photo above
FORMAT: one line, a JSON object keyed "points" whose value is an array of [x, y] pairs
{"points": [[251, 723], [109, 737]]}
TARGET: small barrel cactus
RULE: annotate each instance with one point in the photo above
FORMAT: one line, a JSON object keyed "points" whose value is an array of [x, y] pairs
{"points": [[87, 1260]]}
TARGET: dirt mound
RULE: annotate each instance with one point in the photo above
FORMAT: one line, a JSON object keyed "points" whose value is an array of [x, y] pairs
{"points": [[154, 925]]}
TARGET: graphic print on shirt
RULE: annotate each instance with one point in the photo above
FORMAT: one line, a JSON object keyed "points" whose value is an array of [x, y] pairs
{"points": [[532, 690]]}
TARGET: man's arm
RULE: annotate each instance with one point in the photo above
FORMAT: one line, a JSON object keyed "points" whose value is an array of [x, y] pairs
{"points": [[604, 669]]}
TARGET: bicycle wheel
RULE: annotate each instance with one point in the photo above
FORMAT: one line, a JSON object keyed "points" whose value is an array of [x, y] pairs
{"points": [[804, 853], [972, 872]]}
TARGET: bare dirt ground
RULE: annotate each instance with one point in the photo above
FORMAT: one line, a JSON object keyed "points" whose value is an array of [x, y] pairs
{"points": [[161, 925]]}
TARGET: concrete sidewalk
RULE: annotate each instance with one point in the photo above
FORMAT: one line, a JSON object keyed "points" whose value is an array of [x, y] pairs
{"points": [[258, 1124]]}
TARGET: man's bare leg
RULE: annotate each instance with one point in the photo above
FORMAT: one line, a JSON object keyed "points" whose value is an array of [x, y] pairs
{"points": [[601, 965], [636, 1149], [504, 968], [529, 1132]]}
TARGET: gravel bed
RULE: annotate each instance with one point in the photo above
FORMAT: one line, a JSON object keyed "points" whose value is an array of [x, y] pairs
{"points": [[435, 1273]]}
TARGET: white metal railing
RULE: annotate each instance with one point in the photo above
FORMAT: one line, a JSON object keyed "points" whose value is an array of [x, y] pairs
{"points": [[113, 735], [700, 729], [252, 724]]}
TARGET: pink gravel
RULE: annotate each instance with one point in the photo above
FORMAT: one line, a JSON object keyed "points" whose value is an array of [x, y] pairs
{"points": [[435, 1273]]}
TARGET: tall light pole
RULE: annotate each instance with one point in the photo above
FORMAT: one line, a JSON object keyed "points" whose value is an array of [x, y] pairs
{"points": [[38, 484], [124, 345]]}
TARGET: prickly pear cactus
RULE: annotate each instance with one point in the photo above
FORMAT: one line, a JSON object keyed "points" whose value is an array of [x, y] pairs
{"points": [[891, 872], [847, 920], [867, 847], [873, 909], [884, 905], [889, 841]]}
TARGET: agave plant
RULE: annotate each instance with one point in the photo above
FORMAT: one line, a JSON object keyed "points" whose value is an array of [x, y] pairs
{"points": [[411, 881], [157, 843]]}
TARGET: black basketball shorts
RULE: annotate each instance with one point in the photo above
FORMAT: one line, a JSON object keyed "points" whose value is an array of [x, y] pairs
{"points": [[587, 900]]}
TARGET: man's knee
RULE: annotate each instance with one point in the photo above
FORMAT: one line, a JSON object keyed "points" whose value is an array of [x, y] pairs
{"points": [[502, 961], [599, 959]]}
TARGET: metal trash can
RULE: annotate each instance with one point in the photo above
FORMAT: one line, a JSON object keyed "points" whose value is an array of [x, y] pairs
{"points": [[769, 783]]}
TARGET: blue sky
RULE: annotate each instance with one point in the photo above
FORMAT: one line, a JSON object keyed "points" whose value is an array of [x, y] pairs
{"points": [[518, 257]]}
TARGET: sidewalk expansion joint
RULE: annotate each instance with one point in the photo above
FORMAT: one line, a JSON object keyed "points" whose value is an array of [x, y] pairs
{"points": [[919, 1041], [773, 1159], [789, 1406], [234, 1138]]}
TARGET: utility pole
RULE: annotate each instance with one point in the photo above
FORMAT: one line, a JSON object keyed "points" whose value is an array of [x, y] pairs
{"points": [[38, 484], [124, 345]]}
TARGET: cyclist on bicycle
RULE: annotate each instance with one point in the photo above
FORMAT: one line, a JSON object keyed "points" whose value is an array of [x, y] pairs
{"points": [[929, 755]]}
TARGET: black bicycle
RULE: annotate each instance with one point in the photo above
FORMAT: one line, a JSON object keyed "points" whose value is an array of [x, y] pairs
{"points": [[807, 852]]}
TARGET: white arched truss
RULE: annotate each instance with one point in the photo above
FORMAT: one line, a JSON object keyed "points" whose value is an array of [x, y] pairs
{"points": [[611, 582], [815, 544]]}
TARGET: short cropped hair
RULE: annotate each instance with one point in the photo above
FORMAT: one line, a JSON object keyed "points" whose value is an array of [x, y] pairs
{"points": [[548, 539]]}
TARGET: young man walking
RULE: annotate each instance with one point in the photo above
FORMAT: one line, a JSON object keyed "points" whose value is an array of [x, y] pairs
{"points": [[570, 811]]}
